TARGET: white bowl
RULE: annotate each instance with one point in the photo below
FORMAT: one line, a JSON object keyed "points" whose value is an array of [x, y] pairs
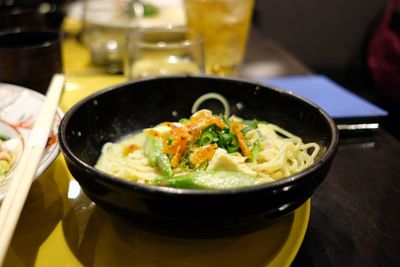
{"points": [[19, 108]]}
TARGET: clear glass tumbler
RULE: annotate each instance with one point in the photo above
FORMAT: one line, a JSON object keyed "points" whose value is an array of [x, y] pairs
{"points": [[166, 51], [106, 22]]}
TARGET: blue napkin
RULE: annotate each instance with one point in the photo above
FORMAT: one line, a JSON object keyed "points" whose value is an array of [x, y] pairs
{"points": [[337, 101]]}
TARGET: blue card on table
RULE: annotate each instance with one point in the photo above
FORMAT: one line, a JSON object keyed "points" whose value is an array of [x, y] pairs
{"points": [[342, 105]]}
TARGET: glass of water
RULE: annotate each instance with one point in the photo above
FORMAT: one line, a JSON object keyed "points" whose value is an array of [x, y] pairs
{"points": [[152, 52], [106, 22]]}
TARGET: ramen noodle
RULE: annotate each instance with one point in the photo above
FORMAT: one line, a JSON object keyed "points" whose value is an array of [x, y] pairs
{"points": [[208, 151]]}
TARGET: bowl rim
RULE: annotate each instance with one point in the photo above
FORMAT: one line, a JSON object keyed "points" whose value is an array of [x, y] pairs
{"points": [[280, 185]]}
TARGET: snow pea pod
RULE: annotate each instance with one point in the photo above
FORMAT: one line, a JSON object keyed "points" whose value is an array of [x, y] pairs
{"points": [[153, 150], [209, 180]]}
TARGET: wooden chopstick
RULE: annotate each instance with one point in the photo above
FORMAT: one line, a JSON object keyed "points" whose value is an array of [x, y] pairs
{"points": [[21, 181]]}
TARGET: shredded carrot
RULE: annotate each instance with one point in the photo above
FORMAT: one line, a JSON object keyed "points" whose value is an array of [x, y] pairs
{"points": [[176, 159], [237, 129], [177, 141], [202, 154], [152, 133], [130, 149], [219, 122]]}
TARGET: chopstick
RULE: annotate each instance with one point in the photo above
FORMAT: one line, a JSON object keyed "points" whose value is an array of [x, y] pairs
{"points": [[20, 183]]}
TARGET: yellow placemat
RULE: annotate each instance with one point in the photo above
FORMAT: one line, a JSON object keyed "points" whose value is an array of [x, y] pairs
{"points": [[82, 78], [78, 87]]}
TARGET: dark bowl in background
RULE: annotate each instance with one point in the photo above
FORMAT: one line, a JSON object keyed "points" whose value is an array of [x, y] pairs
{"points": [[118, 111], [30, 58]]}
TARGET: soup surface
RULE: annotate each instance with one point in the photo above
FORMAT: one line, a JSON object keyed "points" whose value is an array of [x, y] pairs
{"points": [[208, 151]]}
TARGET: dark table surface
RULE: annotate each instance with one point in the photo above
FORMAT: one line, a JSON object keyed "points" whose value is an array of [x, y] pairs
{"points": [[355, 212]]}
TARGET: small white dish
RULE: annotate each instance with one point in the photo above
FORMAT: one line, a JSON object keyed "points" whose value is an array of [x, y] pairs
{"points": [[19, 108]]}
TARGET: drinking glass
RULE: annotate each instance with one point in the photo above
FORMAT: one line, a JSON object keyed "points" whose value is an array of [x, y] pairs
{"points": [[225, 26], [163, 51], [106, 22]]}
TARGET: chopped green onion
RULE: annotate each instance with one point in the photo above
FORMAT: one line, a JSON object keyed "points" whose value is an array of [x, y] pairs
{"points": [[210, 128], [225, 139], [232, 148], [170, 140], [206, 139], [246, 129], [228, 124], [184, 120], [251, 123], [3, 138], [214, 134], [255, 150]]}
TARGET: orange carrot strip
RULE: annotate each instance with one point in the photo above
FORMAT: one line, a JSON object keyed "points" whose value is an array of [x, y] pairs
{"points": [[152, 133], [202, 154], [237, 129], [130, 149]]}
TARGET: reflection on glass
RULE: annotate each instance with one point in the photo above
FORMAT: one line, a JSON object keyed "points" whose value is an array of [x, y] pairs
{"points": [[163, 51]]}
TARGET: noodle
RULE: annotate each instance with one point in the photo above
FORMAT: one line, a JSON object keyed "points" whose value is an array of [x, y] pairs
{"points": [[208, 96], [212, 144], [134, 166]]}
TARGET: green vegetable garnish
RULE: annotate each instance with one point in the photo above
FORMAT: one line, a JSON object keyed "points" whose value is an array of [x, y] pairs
{"points": [[149, 10], [225, 139], [170, 140], [184, 120], [231, 148], [209, 180], [250, 125], [153, 150], [226, 121], [255, 150], [144, 9], [3, 137], [206, 139]]}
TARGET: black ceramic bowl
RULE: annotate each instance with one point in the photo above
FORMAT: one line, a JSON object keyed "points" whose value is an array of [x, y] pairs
{"points": [[113, 113]]}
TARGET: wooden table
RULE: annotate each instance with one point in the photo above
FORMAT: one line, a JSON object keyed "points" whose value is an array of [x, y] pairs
{"points": [[355, 212]]}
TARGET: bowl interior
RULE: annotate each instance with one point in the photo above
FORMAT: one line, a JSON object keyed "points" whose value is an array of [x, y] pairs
{"points": [[114, 113]]}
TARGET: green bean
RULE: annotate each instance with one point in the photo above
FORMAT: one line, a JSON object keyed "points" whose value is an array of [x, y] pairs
{"points": [[153, 150], [209, 180]]}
